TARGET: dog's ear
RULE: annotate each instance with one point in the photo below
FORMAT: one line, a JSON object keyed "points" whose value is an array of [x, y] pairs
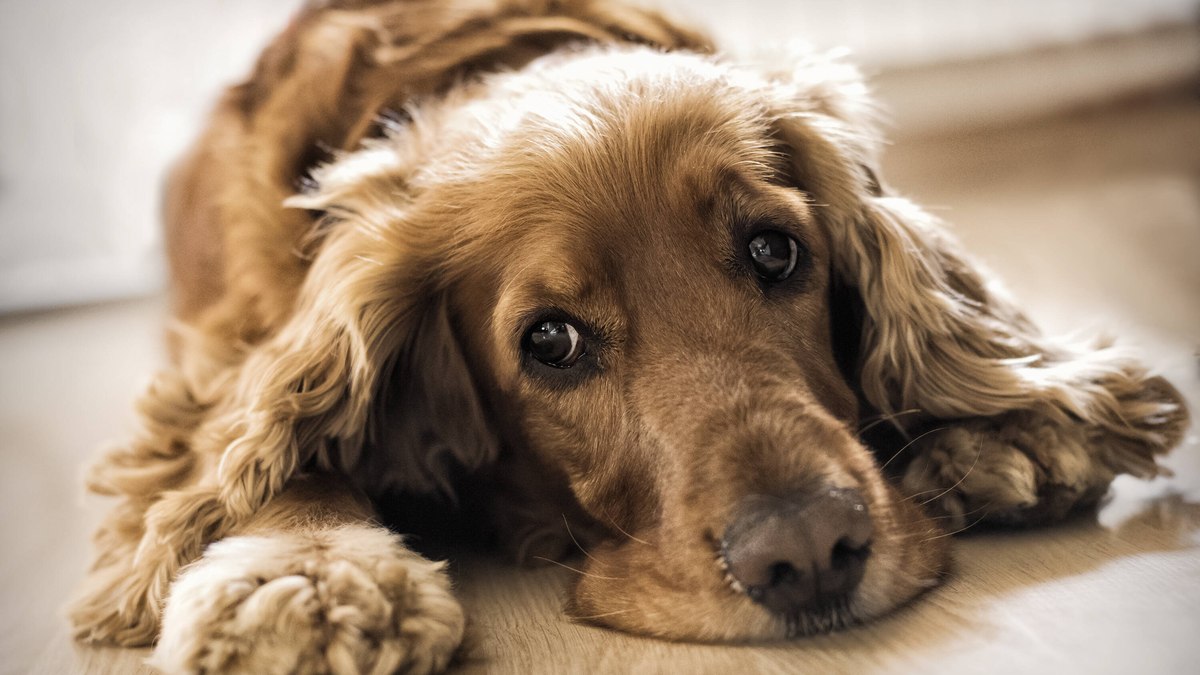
{"points": [[937, 334], [428, 420], [367, 376]]}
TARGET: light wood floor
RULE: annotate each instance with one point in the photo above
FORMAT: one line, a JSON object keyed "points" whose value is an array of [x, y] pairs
{"points": [[1095, 222]]}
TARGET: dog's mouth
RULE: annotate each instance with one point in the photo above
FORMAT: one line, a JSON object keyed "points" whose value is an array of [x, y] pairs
{"points": [[826, 616], [819, 620]]}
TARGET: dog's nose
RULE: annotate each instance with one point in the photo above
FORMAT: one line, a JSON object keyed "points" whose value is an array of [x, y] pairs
{"points": [[791, 554]]}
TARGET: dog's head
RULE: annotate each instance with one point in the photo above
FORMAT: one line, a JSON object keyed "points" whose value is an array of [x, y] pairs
{"points": [[636, 267]]}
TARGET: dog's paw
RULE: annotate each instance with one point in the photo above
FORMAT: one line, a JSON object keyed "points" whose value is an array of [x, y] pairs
{"points": [[345, 600], [1016, 469]]}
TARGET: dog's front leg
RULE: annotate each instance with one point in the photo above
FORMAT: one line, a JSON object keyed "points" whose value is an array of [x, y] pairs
{"points": [[1026, 467], [310, 585]]}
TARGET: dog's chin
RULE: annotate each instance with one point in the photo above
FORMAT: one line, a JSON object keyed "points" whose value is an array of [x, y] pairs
{"points": [[684, 592], [635, 588]]}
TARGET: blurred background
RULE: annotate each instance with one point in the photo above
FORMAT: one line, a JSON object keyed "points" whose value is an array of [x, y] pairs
{"points": [[96, 98], [1061, 138]]}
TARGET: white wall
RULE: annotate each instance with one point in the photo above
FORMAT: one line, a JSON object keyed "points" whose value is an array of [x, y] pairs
{"points": [[96, 99]]}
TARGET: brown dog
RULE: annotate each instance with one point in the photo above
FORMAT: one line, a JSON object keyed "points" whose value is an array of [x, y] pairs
{"points": [[560, 252]]}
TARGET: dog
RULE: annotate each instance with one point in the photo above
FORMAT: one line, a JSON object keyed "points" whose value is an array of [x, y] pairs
{"points": [[561, 259]]}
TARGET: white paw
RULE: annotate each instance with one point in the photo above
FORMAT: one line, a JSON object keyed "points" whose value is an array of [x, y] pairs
{"points": [[345, 600], [1019, 468]]}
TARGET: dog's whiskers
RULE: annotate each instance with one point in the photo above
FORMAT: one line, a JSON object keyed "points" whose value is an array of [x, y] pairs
{"points": [[606, 614], [622, 531], [918, 494], [577, 544], [909, 444], [958, 531], [962, 515], [581, 572], [960, 480], [921, 581], [872, 422]]}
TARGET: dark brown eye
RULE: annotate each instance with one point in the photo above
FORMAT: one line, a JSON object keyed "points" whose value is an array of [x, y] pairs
{"points": [[773, 255], [554, 343]]}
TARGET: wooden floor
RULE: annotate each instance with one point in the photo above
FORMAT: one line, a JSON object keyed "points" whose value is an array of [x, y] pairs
{"points": [[1095, 222]]}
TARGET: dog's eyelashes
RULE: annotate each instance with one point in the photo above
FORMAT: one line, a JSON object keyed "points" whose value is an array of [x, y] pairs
{"points": [[554, 343], [773, 255]]}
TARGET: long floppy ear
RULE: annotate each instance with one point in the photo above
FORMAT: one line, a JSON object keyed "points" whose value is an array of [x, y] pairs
{"points": [[428, 420], [1021, 427], [367, 377]]}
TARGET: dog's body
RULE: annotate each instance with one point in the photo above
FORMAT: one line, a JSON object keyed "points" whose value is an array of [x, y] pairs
{"points": [[558, 246]]}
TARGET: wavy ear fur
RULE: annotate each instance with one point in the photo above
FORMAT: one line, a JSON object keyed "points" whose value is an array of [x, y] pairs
{"points": [[940, 337], [367, 376]]}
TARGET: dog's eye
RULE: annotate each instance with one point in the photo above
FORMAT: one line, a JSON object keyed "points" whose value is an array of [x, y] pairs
{"points": [[774, 255], [554, 343]]}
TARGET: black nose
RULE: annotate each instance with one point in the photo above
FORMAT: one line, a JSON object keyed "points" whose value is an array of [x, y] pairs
{"points": [[801, 552]]}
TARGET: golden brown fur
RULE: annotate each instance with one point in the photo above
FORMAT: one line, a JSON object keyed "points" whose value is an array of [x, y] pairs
{"points": [[363, 337]]}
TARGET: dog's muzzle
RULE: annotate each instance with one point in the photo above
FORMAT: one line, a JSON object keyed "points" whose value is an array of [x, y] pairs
{"points": [[801, 552]]}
